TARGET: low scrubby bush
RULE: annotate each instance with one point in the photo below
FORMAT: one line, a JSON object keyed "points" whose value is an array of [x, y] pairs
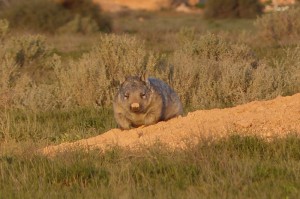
{"points": [[95, 77], [21, 60], [280, 76], [35, 15], [48, 16], [206, 71], [86, 9], [232, 9], [279, 27], [79, 24], [210, 72], [3, 28], [91, 80]]}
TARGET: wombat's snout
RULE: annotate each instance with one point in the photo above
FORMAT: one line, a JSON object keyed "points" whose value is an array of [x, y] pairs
{"points": [[135, 107]]}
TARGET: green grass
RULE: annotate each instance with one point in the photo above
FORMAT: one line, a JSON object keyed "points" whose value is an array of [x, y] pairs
{"points": [[235, 167], [55, 126]]}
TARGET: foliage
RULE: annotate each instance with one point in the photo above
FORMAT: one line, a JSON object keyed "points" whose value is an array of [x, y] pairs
{"points": [[23, 60], [206, 71], [88, 9], [35, 15], [211, 72], [3, 28], [232, 9], [279, 27], [95, 77], [48, 16]]}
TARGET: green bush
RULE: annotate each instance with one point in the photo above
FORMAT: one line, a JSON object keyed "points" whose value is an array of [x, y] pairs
{"points": [[13, 84], [95, 77], [23, 60], [36, 15], [210, 72], [232, 9], [87, 9], [206, 71], [249, 8], [3, 28], [282, 77], [279, 27], [79, 24], [48, 16], [91, 80]]}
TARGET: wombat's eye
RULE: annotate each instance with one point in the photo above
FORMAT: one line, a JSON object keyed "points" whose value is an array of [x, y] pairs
{"points": [[143, 95], [126, 96]]}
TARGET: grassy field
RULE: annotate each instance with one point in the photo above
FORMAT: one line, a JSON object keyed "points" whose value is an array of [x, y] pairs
{"points": [[58, 88], [235, 167]]}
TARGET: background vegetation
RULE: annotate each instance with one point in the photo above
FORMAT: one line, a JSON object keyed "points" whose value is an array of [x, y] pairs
{"points": [[80, 16], [233, 8], [58, 79]]}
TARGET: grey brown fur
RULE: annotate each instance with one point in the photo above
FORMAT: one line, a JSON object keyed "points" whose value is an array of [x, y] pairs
{"points": [[145, 101]]}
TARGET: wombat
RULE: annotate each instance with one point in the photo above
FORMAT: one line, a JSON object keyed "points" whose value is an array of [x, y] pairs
{"points": [[145, 101]]}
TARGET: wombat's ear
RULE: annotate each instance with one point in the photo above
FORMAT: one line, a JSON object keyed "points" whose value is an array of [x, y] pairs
{"points": [[144, 77], [125, 78]]}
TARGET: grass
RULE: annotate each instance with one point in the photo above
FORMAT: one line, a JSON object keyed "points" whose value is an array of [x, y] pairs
{"points": [[235, 167], [54, 126], [159, 29]]}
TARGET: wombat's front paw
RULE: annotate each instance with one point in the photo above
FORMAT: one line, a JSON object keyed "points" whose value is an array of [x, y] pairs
{"points": [[150, 119], [124, 126], [122, 122]]}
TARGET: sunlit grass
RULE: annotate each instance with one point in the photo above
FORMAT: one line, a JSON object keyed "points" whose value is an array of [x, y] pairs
{"points": [[235, 167], [54, 126]]}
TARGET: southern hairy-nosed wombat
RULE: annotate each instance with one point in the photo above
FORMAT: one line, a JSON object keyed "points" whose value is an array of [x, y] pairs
{"points": [[145, 101]]}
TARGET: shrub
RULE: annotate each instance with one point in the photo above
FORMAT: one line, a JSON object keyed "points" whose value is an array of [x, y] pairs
{"points": [[48, 16], [91, 80], [3, 28], [36, 15], [80, 24], [210, 72], [13, 85], [232, 9], [278, 76], [30, 53], [88, 9], [20, 60], [95, 77], [279, 27], [249, 8], [207, 72]]}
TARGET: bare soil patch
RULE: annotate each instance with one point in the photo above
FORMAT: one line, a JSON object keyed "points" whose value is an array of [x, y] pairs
{"points": [[268, 119]]}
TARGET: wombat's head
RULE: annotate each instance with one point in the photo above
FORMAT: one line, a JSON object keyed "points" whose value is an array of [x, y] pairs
{"points": [[135, 94]]}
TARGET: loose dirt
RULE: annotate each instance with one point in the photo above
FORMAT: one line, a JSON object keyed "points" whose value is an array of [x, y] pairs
{"points": [[268, 119]]}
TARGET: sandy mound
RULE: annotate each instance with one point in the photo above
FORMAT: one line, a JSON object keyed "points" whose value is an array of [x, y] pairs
{"points": [[264, 118]]}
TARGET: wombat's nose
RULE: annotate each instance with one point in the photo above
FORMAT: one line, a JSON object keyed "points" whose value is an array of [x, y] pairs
{"points": [[135, 106]]}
